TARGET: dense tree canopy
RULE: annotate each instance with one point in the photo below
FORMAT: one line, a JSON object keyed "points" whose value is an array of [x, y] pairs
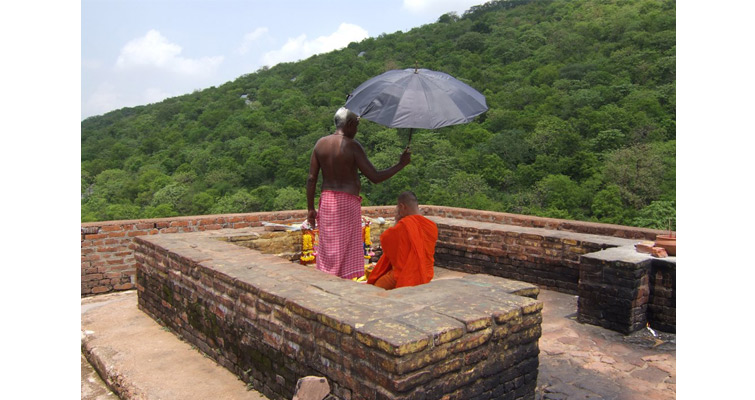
{"points": [[581, 123]]}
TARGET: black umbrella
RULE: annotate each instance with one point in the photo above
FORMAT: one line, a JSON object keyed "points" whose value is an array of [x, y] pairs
{"points": [[416, 98]]}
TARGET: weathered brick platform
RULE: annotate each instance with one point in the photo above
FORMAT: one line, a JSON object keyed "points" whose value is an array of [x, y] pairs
{"points": [[619, 288], [271, 322], [549, 258], [623, 290], [544, 251]]}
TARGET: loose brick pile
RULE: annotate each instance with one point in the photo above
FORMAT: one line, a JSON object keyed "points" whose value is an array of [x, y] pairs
{"points": [[272, 322]]}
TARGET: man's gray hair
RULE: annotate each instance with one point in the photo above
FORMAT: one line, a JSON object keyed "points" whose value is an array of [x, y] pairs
{"points": [[343, 115]]}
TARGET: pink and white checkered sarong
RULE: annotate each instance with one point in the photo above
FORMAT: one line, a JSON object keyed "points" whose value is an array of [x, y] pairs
{"points": [[339, 220]]}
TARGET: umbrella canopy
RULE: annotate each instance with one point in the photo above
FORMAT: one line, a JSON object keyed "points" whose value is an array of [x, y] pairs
{"points": [[416, 98]]}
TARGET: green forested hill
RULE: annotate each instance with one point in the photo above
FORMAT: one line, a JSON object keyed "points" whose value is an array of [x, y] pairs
{"points": [[581, 123]]}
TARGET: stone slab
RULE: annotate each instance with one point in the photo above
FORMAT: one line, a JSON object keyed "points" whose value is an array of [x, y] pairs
{"points": [[142, 360]]}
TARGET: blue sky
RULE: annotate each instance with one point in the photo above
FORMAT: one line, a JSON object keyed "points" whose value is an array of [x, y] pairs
{"points": [[136, 52]]}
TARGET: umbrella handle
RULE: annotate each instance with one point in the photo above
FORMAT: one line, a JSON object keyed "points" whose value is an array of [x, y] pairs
{"points": [[411, 131]]}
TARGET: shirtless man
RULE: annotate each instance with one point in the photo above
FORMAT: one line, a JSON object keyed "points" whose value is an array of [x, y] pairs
{"points": [[341, 157]]}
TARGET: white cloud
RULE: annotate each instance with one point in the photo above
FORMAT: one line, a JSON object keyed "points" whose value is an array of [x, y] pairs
{"points": [[155, 95], [250, 39], [105, 98], [440, 7], [300, 48], [155, 51]]}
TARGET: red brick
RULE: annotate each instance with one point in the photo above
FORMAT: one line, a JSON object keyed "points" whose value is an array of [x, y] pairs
{"points": [[100, 289], [125, 286], [179, 223], [107, 249], [137, 233], [659, 252], [92, 277], [111, 228], [116, 234]]}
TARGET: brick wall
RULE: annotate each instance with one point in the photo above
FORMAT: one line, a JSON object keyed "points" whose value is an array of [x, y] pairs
{"points": [[107, 247], [271, 322], [548, 258], [662, 302], [555, 224], [623, 290]]}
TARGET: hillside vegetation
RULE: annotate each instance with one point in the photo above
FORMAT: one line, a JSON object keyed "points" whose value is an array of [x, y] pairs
{"points": [[581, 123]]}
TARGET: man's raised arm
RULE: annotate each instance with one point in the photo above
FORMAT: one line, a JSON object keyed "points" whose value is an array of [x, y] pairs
{"points": [[369, 170]]}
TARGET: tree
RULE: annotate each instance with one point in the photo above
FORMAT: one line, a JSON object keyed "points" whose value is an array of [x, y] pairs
{"points": [[176, 195], [239, 202], [472, 41], [203, 202], [114, 185], [607, 206], [160, 211], [658, 214], [582, 121], [289, 198], [448, 18], [638, 172], [554, 136], [561, 193]]}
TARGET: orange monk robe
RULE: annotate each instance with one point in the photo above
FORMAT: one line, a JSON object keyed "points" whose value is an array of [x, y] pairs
{"points": [[408, 249]]}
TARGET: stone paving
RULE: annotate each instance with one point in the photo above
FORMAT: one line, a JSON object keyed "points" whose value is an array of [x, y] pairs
{"points": [[577, 361], [581, 361]]}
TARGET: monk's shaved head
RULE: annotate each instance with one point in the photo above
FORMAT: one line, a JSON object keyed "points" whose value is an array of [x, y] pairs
{"points": [[408, 198]]}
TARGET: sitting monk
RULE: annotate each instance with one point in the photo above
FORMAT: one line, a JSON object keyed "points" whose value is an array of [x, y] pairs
{"points": [[408, 248]]}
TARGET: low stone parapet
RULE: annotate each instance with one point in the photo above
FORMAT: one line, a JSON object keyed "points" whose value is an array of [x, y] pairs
{"points": [[107, 247], [624, 290], [272, 322], [662, 302], [546, 257]]}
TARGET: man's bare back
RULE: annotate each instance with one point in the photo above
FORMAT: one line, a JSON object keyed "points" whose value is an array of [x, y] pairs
{"points": [[337, 158], [341, 157]]}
